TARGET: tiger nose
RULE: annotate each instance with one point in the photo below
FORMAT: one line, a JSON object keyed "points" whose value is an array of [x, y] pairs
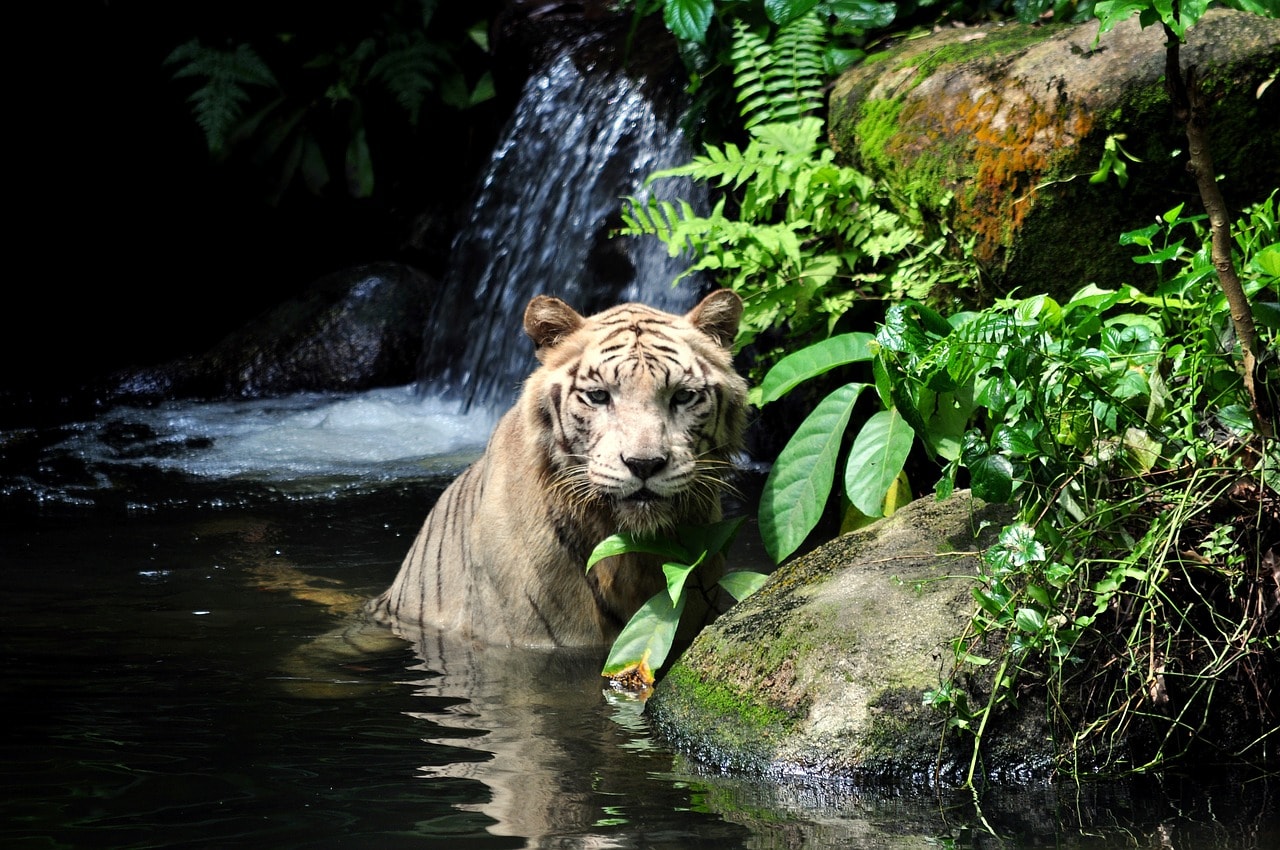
{"points": [[644, 467]]}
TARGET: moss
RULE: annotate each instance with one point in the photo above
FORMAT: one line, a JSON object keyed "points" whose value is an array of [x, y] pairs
{"points": [[724, 703], [940, 120], [716, 722], [996, 41]]}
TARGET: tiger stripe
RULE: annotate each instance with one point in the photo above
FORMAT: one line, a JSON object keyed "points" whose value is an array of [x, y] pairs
{"points": [[631, 422]]}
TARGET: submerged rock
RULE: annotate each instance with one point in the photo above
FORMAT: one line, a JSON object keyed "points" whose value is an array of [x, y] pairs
{"points": [[822, 671], [997, 129]]}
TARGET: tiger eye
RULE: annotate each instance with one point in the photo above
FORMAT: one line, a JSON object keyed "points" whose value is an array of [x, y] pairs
{"points": [[683, 396]]}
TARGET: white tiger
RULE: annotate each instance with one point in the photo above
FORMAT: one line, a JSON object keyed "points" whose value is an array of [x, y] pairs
{"points": [[631, 423]]}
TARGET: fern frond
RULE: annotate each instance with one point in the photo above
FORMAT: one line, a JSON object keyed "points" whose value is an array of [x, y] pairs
{"points": [[779, 80], [219, 103], [410, 69]]}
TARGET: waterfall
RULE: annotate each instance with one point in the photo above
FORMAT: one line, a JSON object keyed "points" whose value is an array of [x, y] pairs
{"points": [[583, 135]]}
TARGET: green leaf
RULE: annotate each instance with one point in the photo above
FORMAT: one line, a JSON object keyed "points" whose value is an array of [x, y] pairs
{"points": [[711, 538], [1029, 620], [816, 359], [988, 602], [1236, 417], [1268, 259], [359, 166], [1013, 441], [1163, 255], [1267, 313], [1040, 595], [647, 638], [688, 19], [1111, 12], [620, 544], [743, 583], [797, 488], [879, 452], [1018, 546], [783, 12], [864, 14], [990, 475], [676, 575]]}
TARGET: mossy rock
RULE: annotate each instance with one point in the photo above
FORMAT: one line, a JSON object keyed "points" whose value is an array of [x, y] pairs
{"points": [[997, 129], [822, 672]]}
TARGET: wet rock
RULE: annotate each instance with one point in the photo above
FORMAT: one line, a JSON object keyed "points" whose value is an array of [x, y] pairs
{"points": [[997, 129], [353, 330], [821, 673]]}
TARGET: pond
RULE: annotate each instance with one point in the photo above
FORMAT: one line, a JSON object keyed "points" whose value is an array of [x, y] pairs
{"points": [[181, 668]]}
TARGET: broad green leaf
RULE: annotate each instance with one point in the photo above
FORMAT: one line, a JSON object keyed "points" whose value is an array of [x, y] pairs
{"points": [[797, 488], [1268, 260], [1013, 441], [1111, 12], [1162, 255], [1268, 8], [814, 360], [864, 14], [712, 538], [1141, 236], [1018, 545], [1172, 215], [990, 475], [620, 544], [1029, 620], [932, 320], [743, 583], [1236, 417], [1040, 595], [950, 418], [783, 12], [988, 602], [676, 575], [645, 641], [1267, 313], [879, 452], [688, 19]]}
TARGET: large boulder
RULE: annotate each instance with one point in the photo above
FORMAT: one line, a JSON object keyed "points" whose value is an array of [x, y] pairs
{"points": [[822, 672], [997, 130], [355, 329]]}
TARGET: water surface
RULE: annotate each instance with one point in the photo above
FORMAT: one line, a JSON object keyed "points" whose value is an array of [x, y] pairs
{"points": [[181, 668]]}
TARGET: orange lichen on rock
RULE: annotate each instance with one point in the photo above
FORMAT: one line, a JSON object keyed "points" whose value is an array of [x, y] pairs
{"points": [[995, 145]]}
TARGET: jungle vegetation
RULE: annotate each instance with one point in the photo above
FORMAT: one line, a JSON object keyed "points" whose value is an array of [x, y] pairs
{"points": [[1132, 429]]}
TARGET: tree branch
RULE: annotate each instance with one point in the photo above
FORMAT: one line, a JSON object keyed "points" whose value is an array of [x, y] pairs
{"points": [[1190, 108]]}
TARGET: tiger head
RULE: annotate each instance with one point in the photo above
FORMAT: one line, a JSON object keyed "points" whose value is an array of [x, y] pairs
{"points": [[641, 411]]}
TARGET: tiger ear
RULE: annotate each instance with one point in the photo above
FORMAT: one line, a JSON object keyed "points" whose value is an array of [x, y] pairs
{"points": [[548, 320], [717, 316]]}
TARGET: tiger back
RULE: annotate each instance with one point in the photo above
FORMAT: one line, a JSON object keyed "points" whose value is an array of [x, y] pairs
{"points": [[630, 423]]}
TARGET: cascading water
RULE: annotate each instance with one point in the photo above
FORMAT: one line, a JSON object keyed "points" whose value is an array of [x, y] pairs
{"points": [[584, 134]]}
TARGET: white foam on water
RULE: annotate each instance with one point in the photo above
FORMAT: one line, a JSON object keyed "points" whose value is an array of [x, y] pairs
{"points": [[379, 434]]}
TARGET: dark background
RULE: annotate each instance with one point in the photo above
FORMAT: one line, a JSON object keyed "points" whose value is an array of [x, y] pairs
{"points": [[130, 245]]}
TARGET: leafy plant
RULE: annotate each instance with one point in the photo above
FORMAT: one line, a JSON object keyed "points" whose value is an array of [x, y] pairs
{"points": [[1112, 421], [1136, 577], [809, 239], [309, 108], [1191, 107], [695, 21], [644, 643], [1118, 590], [779, 79]]}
